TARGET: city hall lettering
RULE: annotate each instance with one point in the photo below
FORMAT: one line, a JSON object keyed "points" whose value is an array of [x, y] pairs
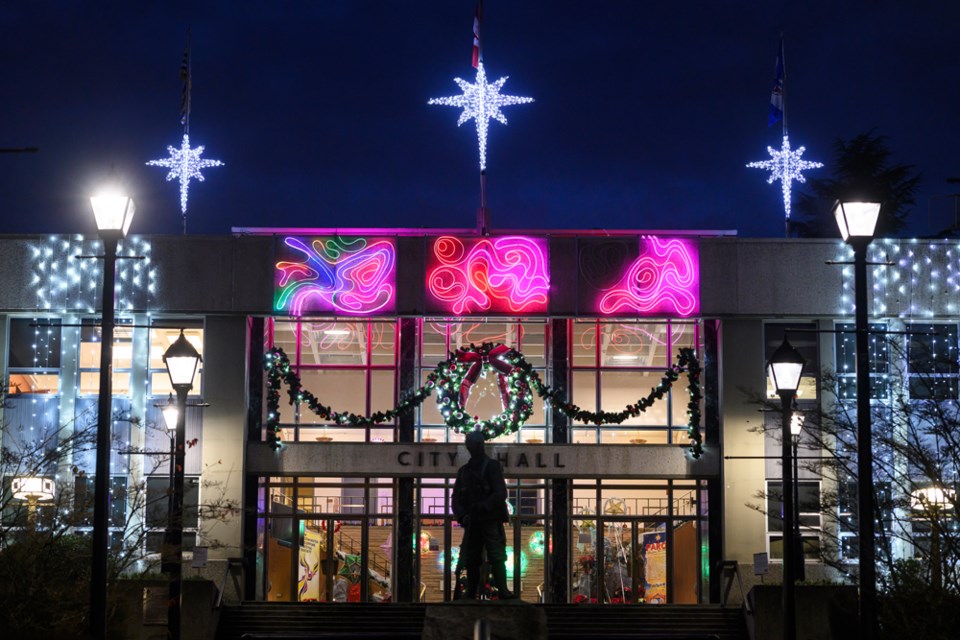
{"points": [[436, 459]]}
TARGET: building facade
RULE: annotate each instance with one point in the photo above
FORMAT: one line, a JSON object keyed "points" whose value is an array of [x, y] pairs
{"points": [[640, 507]]}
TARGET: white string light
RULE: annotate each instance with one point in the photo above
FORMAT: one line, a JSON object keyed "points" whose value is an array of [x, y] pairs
{"points": [[786, 166], [481, 101], [184, 164]]}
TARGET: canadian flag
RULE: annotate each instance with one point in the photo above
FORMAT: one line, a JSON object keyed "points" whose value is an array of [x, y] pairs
{"points": [[476, 35]]}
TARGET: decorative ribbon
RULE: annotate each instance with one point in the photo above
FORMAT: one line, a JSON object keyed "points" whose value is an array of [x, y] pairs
{"points": [[477, 361]]}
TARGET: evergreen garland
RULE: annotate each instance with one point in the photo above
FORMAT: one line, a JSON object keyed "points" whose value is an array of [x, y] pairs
{"points": [[452, 378]]}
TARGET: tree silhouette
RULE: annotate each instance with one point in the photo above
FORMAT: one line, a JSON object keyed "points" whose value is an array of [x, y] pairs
{"points": [[862, 168]]}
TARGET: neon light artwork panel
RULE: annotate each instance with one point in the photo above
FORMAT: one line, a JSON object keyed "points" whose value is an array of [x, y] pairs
{"points": [[663, 281], [504, 274], [344, 276]]}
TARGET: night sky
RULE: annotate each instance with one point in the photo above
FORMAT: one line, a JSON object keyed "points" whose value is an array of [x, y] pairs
{"points": [[645, 113]]}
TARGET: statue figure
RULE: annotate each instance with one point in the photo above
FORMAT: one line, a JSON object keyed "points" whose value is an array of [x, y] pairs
{"points": [[480, 506]]}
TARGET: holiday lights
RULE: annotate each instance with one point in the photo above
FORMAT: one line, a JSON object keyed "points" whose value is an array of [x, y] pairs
{"points": [[350, 276], [786, 166], [663, 281], [506, 274], [448, 378], [184, 164], [481, 101], [64, 282]]}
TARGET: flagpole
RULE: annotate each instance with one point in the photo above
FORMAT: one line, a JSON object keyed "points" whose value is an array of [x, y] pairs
{"points": [[783, 104], [187, 77], [483, 215]]}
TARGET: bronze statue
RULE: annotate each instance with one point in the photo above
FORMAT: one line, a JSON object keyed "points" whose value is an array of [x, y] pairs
{"points": [[480, 506]]}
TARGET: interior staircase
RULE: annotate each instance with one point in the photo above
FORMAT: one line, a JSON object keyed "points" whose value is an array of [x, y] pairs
{"points": [[356, 621]]}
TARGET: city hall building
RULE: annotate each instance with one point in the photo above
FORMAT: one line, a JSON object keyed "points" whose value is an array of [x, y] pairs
{"points": [[615, 374]]}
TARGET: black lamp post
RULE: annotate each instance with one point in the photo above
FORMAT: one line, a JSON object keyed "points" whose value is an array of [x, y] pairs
{"points": [[113, 214], [784, 370], [796, 428], [857, 221], [181, 360], [171, 415], [931, 502]]}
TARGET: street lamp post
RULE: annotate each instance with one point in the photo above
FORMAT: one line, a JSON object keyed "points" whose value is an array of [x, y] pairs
{"points": [[931, 502], [857, 221], [784, 370], [113, 214], [796, 428], [181, 360], [171, 415]]}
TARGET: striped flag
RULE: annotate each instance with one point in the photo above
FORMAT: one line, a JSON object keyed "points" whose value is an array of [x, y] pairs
{"points": [[476, 34], [776, 96], [185, 77]]}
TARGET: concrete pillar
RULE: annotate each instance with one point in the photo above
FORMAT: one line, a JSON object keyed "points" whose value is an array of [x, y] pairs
{"points": [[744, 528], [224, 421]]}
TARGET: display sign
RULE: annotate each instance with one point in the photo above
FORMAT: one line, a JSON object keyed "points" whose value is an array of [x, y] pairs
{"points": [[655, 568], [651, 277], [503, 274], [351, 276]]}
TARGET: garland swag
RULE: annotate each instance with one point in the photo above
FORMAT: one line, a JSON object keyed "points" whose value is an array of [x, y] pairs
{"points": [[452, 379]]}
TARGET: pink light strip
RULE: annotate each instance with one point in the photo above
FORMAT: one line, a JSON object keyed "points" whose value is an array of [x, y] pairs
{"points": [[506, 274], [664, 279]]}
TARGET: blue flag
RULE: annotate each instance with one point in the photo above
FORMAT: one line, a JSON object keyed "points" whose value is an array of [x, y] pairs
{"points": [[776, 96]]}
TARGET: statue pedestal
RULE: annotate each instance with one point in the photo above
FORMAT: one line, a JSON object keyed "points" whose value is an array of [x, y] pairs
{"points": [[509, 620]]}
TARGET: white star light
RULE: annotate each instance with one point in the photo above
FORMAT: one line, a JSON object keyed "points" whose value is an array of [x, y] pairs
{"points": [[184, 163], [785, 165], [481, 101]]}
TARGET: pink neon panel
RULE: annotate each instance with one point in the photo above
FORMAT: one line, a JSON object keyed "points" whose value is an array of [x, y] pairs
{"points": [[345, 276], [664, 280], [505, 274]]}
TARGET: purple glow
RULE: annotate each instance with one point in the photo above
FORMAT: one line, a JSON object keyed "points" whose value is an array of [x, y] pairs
{"points": [[663, 280], [348, 276]]}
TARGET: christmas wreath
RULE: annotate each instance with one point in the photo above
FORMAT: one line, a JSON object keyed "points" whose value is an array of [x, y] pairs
{"points": [[453, 379]]}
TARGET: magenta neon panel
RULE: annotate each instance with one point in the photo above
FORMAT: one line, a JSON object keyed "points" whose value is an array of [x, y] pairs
{"points": [[664, 280], [344, 276], [504, 274]]}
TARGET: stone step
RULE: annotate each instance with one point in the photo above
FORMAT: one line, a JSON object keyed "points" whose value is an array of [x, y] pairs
{"points": [[371, 621]]}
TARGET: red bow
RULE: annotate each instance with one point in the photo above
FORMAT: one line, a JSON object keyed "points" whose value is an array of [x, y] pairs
{"points": [[476, 360]]}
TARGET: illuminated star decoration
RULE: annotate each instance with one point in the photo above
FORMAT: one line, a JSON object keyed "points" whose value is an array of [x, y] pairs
{"points": [[185, 163], [481, 101], [786, 166]]}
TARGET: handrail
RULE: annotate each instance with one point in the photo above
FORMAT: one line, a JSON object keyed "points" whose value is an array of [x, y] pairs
{"points": [[223, 581], [730, 569]]}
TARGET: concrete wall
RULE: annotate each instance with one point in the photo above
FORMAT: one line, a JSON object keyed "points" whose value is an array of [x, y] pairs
{"points": [[742, 368], [224, 384]]}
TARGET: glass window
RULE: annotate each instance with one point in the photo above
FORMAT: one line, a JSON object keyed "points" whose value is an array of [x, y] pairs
{"points": [[349, 366], [90, 339], [808, 510], [932, 361], [161, 337], [804, 338], [441, 337], [879, 361], [614, 364], [33, 361], [158, 500], [84, 490]]}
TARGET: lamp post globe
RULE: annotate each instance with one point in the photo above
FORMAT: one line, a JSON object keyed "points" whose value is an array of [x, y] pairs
{"points": [[181, 360], [857, 220], [785, 369], [113, 212], [170, 413]]}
